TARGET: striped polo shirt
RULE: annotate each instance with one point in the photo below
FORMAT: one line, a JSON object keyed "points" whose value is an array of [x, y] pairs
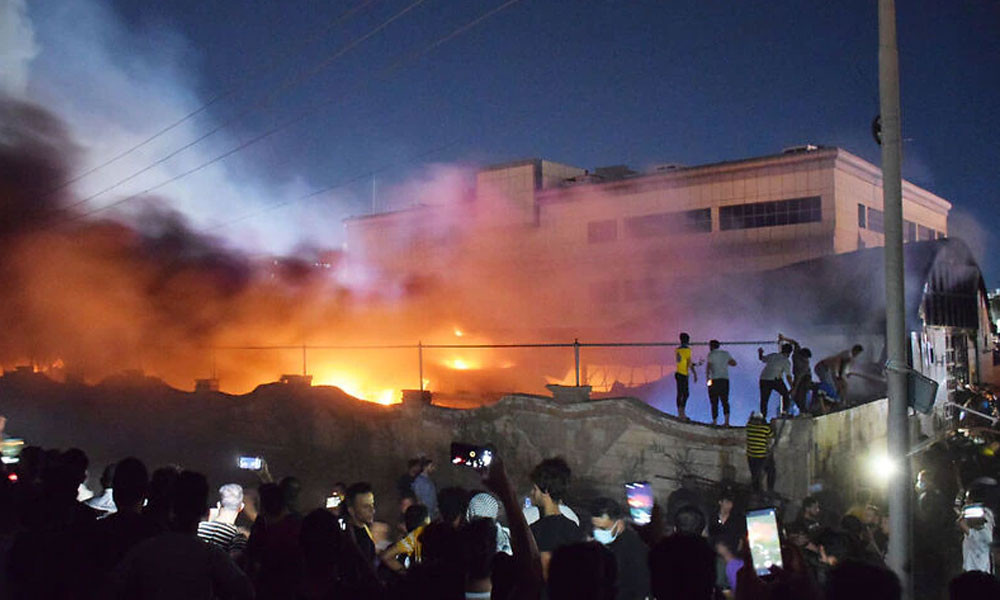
{"points": [[223, 535], [759, 436]]}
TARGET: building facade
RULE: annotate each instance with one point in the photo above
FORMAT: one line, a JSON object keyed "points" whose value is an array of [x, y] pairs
{"points": [[628, 238]]}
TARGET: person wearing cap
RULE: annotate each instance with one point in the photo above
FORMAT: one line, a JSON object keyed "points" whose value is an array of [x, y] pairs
{"points": [[484, 506]]}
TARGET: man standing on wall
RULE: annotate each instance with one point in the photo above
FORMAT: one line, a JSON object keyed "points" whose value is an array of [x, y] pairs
{"points": [[760, 451], [777, 369], [717, 376], [802, 382], [684, 368]]}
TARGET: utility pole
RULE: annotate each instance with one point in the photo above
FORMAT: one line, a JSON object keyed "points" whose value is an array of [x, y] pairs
{"points": [[899, 555]]}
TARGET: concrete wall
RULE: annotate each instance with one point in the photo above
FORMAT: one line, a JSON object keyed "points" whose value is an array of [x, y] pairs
{"points": [[322, 436]]}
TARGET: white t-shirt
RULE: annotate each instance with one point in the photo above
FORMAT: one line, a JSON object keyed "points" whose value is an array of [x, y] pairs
{"points": [[718, 364], [776, 365], [532, 514], [976, 546]]}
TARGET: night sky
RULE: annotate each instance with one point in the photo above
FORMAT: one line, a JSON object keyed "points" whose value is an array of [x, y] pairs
{"points": [[582, 82]]}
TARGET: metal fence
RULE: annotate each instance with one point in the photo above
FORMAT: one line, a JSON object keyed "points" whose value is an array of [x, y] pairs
{"points": [[576, 346]]}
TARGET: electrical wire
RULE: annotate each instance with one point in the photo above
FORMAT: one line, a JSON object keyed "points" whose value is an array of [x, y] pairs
{"points": [[301, 116], [287, 84], [341, 184], [232, 90]]}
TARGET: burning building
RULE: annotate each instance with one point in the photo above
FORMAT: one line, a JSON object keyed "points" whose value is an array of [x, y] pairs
{"points": [[623, 238]]}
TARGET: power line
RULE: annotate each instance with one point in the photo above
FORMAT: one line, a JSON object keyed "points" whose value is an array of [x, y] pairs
{"points": [[273, 64], [287, 84], [332, 187], [302, 115]]}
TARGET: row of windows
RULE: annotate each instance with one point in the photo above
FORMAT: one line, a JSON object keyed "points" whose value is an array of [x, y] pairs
{"points": [[771, 214], [741, 216], [873, 219], [688, 221], [654, 225]]}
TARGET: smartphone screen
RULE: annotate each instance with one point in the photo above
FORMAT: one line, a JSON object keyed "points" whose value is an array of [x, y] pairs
{"points": [[10, 450], [334, 501], [477, 457], [973, 511], [251, 463], [640, 501], [765, 545]]}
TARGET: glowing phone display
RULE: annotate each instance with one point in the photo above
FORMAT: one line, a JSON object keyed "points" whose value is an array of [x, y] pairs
{"points": [[765, 543], [640, 501]]}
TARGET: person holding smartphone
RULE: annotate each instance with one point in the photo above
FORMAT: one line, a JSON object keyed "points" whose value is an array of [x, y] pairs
{"points": [[976, 522]]}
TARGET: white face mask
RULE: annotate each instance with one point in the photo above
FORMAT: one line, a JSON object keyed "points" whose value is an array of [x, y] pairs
{"points": [[604, 536]]}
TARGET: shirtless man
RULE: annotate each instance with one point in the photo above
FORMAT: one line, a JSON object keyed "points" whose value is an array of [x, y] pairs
{"points": [[832, 372]]}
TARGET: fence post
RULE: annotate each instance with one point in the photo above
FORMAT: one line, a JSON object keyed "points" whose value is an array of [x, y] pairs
{"points": [[420, 362], [576, 356]]}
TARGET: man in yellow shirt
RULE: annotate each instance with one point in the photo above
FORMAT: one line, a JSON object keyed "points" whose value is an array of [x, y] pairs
{"points": [[684, 370]]}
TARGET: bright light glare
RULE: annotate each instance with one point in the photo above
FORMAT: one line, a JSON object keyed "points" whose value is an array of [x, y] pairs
{"points": [[460, 364], [458, 332], [882, 467]]}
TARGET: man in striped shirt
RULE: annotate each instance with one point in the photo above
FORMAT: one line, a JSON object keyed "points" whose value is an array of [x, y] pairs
{"points": [[760, 443], [221, 530]]}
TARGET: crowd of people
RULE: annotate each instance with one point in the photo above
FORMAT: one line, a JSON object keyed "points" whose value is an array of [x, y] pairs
{"points": [[158, 535], [786, 372]]}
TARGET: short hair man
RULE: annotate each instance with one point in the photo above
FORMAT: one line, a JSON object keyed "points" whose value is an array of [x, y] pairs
{"points": [[832, 372], [809, 517], [424, 488], [682, 354], [611, 529], [550, 480], [717, 376], [177, 564], [777, 369], [222, 530], [360, 501]]}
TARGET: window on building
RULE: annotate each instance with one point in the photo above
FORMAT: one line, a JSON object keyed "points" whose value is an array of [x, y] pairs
{"points": [[662, 224], [771, 214], [909, 231], [862, 213], [925, 233], [876, 220], [602, 231]]}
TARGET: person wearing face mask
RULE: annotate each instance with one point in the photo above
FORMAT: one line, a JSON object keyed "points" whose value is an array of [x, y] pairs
{"points": [[611, 529]]}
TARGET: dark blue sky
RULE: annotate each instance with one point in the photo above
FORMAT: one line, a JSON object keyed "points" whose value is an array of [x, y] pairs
{"points": [[594, 83]]}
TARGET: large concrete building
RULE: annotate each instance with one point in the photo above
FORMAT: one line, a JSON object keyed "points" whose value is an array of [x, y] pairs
{"points": [[626, 238]]}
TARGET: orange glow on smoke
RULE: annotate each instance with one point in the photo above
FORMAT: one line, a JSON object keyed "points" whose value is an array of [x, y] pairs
{"points": [[461, 364], [357, 385]]}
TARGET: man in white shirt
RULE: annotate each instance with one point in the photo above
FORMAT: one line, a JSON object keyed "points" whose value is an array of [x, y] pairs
{"points": [[777, 369], [717, 374]]}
